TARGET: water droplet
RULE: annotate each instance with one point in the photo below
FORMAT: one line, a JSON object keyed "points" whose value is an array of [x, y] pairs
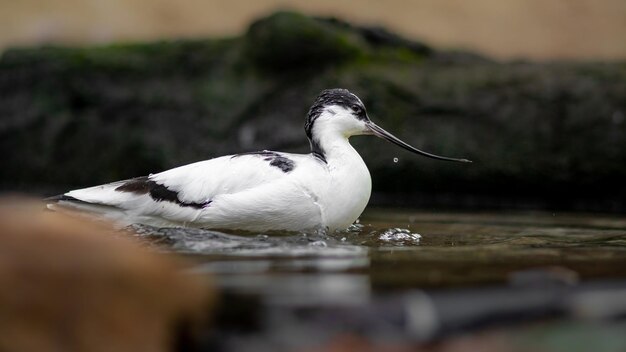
{"points": [[395, 160]]}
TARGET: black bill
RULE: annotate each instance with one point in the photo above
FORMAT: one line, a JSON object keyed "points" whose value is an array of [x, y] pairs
{"points": [[378, 131]]}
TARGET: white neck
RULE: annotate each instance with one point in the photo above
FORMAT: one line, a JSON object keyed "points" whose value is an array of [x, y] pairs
{"points": [[330, 136], [351, 184], [335, 147]]}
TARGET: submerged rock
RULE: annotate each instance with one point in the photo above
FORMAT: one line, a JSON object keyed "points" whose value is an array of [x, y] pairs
{"points": [[540, 134]]}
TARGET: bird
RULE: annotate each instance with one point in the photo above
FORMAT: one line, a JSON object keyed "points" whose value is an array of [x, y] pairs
{"points": [[326, 189]]}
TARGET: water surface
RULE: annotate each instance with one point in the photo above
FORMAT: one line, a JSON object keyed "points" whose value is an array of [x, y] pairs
{"points": [[400, 248], [411, 277]]}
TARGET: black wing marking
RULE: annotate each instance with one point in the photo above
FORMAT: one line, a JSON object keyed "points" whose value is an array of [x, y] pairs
{"points": [[282, 162], [158, 192]]}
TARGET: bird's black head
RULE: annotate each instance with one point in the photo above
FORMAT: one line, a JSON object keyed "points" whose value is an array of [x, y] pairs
{"points": [[334, 97], [337, 113]]}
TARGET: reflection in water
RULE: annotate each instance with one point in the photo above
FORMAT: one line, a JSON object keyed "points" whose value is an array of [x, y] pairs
{"points": [[302, 290], [284, 268], [214, 242], [262, 265]]}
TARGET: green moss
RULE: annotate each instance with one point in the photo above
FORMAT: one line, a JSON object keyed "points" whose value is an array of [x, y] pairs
{"points": [[288, 41], [187, 55]]}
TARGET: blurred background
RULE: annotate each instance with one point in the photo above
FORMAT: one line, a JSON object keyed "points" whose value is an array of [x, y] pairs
{"points": [[522, 250], [533, 91], [556, 29]]}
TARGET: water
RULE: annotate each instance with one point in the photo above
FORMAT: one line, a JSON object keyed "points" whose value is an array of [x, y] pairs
{"points": [[451, 248], [411, 276], [493, 244]]}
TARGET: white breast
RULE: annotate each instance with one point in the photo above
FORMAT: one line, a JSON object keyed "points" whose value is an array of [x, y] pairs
{"points": [[347, 190]]}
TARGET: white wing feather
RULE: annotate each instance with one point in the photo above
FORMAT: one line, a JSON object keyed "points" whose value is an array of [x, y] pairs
{"points": [[242, 191]]}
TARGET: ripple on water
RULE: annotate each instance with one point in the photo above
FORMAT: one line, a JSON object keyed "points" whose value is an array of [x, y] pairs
{"points": [[369, 236], [355, 241], [400, 237], [215, 242]]}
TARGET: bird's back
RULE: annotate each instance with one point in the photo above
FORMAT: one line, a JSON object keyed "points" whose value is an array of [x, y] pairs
{"points": [[251, 191]]}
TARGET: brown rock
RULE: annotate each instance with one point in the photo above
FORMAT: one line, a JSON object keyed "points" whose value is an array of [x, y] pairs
{"points": [[72, 285]]}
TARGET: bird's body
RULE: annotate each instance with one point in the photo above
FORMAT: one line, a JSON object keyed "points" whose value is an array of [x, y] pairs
{"points": [[259, 191], [246, 192]]}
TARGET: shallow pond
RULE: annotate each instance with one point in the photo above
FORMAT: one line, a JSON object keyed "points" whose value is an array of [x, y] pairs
{"points": [[415, 276]]}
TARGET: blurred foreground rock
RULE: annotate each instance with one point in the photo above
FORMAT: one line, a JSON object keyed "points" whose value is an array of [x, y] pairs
{"points": [[71, 285], [540, 134]]}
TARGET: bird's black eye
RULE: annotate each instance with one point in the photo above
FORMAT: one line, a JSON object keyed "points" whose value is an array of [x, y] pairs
{"points": [[357, 109]]}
